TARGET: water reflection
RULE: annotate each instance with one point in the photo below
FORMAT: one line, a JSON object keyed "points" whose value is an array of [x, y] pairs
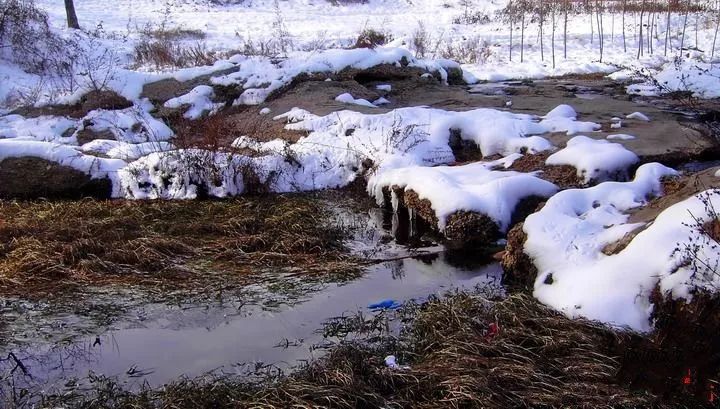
{"points": [[194, 341]]}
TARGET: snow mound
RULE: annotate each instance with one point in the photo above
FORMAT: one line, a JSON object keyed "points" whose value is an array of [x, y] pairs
{"points": [[638, 115], [621, 136], [184, 174], [566, 237], [474, 187], [347, 98], [595, 160], [198, 101]]}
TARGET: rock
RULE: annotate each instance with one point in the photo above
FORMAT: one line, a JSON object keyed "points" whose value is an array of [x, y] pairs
{"points": [[88, 135], [101, 99], [33, 178]]}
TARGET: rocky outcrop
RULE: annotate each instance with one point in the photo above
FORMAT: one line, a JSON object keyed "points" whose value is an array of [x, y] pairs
{"points": [[33, 178]]}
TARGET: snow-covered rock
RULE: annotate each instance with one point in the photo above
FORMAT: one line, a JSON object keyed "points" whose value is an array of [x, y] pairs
{"points": [[595, 159]]}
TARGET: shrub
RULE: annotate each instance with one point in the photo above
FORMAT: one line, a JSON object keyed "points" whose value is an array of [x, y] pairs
{"points": [[370, 38], [473, 50], [170, 53], [26, 38]]}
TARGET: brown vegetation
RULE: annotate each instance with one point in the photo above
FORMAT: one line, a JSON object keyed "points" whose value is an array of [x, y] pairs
{"points": [[49, 246], [565, 176]]}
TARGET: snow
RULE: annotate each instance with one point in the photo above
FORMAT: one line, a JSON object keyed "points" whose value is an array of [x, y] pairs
{"points": [[42, 128], [638, 115], [384, 87], [381, 101], [620, 136], [717, 174], [349, 99], [700, 78], [474, 187], [198, 101], [566, 237], [260, 76], [265, 111], [563, 119], [595, 160]]}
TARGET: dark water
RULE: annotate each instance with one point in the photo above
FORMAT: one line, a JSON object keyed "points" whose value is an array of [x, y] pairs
{"points": [[197, 340]]}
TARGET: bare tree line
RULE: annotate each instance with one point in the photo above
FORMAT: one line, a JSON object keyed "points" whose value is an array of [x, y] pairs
{"points": [[654, 24]]}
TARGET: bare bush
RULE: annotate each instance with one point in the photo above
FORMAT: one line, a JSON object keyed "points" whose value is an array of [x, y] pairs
{"points": [[26, 38], [172, 54], [420, 40], [474, 50], [371, 38], [697, 253]]}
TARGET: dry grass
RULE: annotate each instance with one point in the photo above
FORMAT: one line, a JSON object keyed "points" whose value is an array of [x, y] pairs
{"points": [[46, 246], [168, 53], [537, 359]]}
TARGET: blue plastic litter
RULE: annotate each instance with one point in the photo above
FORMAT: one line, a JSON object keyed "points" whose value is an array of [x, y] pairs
{"points": [[385, 305]]}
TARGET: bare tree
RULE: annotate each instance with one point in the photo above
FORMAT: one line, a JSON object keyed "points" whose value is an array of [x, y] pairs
{"points": [[72, 19], [667, 27], [717, 25], [624, 3]]}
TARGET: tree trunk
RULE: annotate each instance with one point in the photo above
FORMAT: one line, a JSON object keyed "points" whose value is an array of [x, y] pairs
{"points": [[640, 34], [682, 40], [623, 27], [717, 25], [567, 6], [522, 37], [552, 39], [511, 29], [72, 19], [542, 17], [667, 29]]}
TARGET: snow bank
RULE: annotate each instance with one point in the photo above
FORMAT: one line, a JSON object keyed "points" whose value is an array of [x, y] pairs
{"points": [[259, 76], [474, 187], [43, 128], [595, 160], [563, 118], [638, 115], [620, 136], [700, 78], [566, 237]]}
